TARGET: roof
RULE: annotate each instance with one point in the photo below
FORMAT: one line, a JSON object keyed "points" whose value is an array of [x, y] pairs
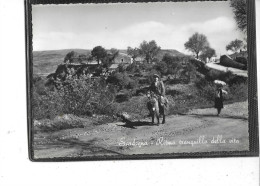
{"points": [[113, 66]]}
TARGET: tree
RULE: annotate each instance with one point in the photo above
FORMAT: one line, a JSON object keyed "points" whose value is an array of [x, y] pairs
{"points": [[240, 12], [99, 53], [197, 43], [113, 53], [71, 57], [82, 57], [133, 52], [109, 58], [208, 53], [235, 45], [149, 50]]}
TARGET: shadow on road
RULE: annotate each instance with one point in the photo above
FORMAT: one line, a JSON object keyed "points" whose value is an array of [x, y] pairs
{"points": [[134, 124], [216, 116]]}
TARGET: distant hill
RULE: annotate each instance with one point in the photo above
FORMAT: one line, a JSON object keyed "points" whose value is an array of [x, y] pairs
{"points": [[46, 62]]}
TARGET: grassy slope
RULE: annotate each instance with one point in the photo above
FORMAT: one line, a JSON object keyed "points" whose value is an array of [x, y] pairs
{"points": [[45, 62]]}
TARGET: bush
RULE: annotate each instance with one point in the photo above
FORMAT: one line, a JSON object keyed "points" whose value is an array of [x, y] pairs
{"points": [[237, 92], [223, 76], [136, 107], [227, 77], [81, 96], [242, 60], [161, 67], [228, 62], [122, 81], [46, 106], [200, 66], [208, 92], [121, 68]]}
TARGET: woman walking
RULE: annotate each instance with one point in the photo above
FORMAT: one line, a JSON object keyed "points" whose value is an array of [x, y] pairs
{"points": [[219, 98]]}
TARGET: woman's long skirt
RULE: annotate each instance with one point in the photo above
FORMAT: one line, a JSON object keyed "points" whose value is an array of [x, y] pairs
{"points": [[218, 103]]}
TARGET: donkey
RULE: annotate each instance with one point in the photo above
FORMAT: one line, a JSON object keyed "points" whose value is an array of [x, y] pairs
{"points": [[156, 107]]}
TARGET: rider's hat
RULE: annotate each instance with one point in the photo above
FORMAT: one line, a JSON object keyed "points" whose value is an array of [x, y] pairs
{"points": [[156, 75]]}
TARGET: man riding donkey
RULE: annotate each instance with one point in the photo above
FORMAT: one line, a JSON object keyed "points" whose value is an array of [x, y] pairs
{"points": [[157, 101]]}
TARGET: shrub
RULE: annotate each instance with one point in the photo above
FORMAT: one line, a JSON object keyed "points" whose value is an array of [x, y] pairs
{"points": [[81, 96], [172, 92], [223, 76], [237, 92], [122, 80], [121, 68], [161, 67], [228, 62], [243, 61], [46, 106], [200, 66], [136, 107], [208, 92], [227, 77]]}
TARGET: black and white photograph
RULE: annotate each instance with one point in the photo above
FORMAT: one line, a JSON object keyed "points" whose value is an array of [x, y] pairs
{"points": [[80, 93], [139, 80]]}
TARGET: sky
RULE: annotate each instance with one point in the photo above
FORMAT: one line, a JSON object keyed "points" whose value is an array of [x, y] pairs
{"points": [[170, 24]]}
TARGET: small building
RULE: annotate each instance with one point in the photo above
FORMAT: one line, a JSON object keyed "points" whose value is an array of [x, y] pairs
{"points": [[113, 67]]}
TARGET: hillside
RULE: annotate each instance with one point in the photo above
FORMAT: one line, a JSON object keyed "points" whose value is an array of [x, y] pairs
{"points": [[46, 62]]}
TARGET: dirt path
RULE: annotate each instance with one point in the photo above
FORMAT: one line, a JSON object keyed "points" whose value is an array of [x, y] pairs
{"points": [[235, 71], [199, 130]]}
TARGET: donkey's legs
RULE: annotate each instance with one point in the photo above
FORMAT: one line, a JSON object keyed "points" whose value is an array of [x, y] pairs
{"points": [[163, 114], [163, 121], [152, 118], [157, 117]]}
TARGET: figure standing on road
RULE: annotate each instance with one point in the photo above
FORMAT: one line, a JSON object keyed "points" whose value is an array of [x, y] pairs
{"points": [[219, 98]]}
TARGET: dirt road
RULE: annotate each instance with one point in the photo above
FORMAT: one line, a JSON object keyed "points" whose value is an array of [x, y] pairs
{"points": [[235, 71], [199, 130]]}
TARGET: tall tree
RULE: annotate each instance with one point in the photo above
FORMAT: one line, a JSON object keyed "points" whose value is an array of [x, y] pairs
{"points": [[71, 57], [208, 53], [133, 52], [98, 53], [235, 45], [149, 50], [197, 43], [240, 12], [82, 57], [113, 53], [110, 57]]}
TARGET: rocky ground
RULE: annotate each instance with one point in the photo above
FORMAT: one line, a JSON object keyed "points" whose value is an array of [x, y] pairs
{"points": [[199, 130]]}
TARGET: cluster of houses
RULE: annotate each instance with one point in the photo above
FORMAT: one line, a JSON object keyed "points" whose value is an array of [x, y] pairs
{"points": [[88, 68]]}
